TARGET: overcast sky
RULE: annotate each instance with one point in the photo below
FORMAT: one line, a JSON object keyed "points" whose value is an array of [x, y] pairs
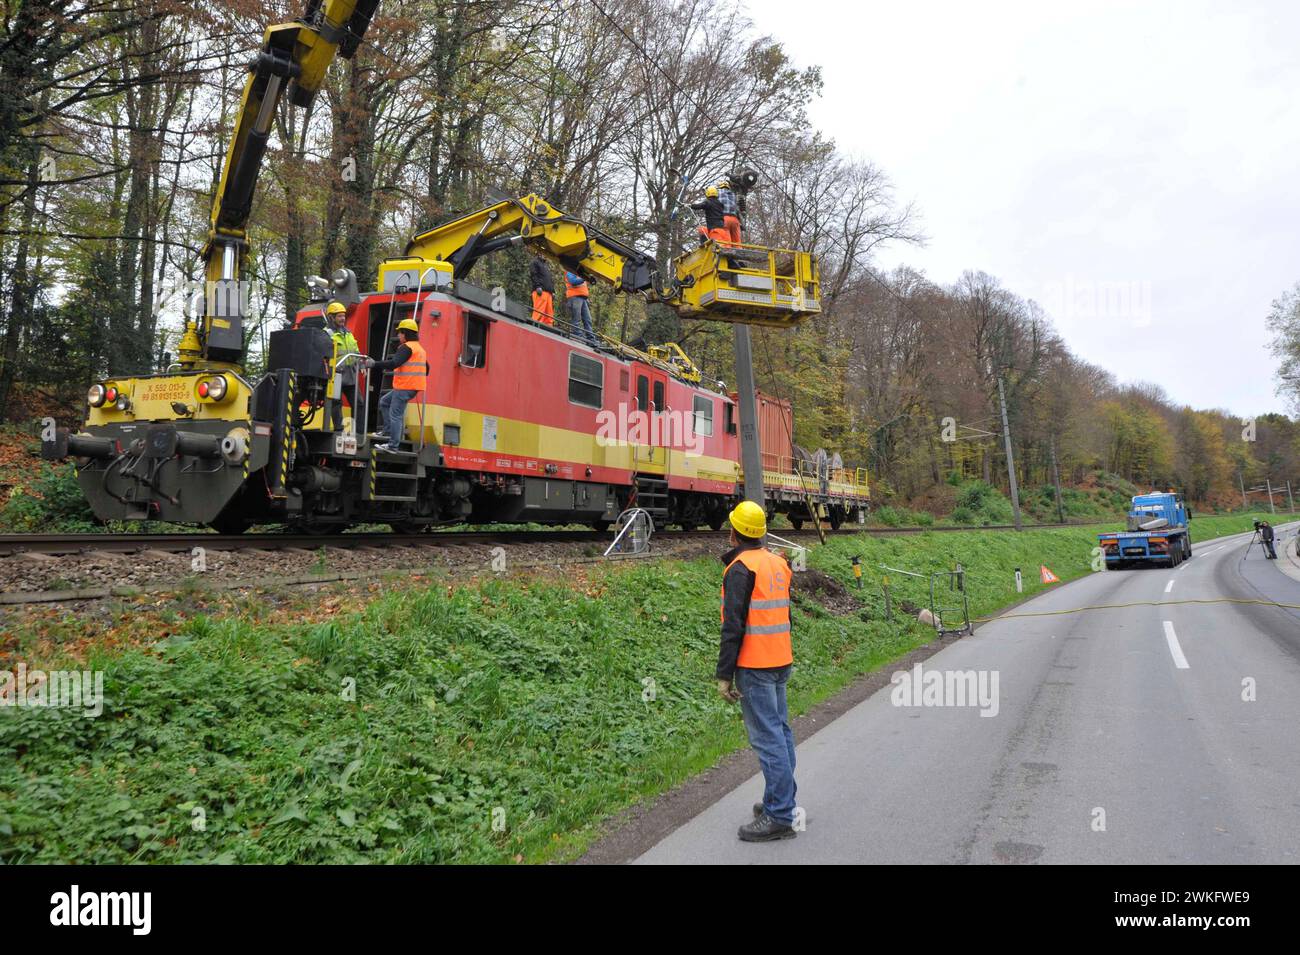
{"points": [[1134, 168]]}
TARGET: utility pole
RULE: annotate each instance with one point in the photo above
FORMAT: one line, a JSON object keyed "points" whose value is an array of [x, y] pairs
{"points": [[1290, 499], [1056, 477], [1271, 508], [751, 453], [1011, 464], [1245, 505]]}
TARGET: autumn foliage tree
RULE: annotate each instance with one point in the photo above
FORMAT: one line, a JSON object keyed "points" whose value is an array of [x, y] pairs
{"points": [[117, 115]]}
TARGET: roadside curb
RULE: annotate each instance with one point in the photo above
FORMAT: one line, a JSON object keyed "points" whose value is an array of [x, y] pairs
{"points": [[1289, 563]]}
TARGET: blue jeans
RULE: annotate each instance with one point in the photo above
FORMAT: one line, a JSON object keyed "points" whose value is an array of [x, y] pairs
{"points": [[767, 722], [392, 410], [581, 315]]}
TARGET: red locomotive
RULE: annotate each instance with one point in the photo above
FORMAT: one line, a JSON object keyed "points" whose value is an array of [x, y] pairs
{"points": [[521, 423]]}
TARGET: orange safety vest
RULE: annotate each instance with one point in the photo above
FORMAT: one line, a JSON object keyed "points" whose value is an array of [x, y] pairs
{"points": [[767, 628], [572, 291], [543, 308], [413, 375]]}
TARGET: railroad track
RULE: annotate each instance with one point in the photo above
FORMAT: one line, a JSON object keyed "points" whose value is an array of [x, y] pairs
{"points": [[66, 544]]}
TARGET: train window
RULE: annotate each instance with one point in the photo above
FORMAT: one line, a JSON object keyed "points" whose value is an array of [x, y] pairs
{"points": [[623, 379], [473, 352], [586, 379], [731, 418], [642, 393], [659, 396], [703, 416]]}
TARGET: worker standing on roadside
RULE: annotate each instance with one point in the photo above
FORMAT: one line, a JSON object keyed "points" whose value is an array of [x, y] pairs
{"points": [[577, 293], [756, 653], [539, 275], [1266, 535], [344, 344], [410, 371], [714, 227], [731, 209]]}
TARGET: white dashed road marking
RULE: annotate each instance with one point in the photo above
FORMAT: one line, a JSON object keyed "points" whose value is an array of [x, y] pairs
{"points": [[1175, 650]]}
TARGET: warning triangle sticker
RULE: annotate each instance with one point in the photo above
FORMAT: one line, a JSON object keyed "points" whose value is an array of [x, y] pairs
{"points": [[1047, 575]]}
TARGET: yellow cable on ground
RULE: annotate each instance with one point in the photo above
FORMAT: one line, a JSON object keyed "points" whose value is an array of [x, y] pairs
{"points": [[1140, 603]]}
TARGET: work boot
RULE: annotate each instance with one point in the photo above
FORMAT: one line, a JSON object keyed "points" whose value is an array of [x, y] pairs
{"points": [[765, 829]]}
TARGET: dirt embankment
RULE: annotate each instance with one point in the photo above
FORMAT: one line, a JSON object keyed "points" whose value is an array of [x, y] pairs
{"points": [[825, 590]]}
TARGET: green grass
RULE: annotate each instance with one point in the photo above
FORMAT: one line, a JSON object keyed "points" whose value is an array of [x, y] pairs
{"points": [[524, 698], [989, 558]]}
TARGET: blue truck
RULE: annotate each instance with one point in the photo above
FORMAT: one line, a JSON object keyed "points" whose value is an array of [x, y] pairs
{"points": [[1157, 533]]}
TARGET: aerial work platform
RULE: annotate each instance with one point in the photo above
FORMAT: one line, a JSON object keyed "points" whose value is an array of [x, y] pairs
{"points": [[748, 284]]}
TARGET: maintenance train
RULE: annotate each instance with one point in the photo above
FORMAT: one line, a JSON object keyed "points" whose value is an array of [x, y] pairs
{"points": [[518, 421]]}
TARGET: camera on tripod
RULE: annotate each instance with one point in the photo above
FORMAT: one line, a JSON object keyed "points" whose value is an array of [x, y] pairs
{"points": [[1264, 535]]}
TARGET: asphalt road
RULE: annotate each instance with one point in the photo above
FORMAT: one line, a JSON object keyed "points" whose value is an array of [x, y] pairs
{"points": [[1129, 718]]}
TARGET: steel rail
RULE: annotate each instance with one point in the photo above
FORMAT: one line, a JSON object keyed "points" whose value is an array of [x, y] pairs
{"points": [[68, 544]]}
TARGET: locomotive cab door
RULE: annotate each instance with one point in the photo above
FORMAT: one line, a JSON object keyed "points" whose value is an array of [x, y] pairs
{"points": [[649, 451], [381, 342]]}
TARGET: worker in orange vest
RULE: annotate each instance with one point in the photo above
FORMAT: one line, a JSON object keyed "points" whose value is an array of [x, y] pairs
{"points": [[714, 227], [756, 654], [577, 293], [410, 368], [732, 206], [539, 275]]}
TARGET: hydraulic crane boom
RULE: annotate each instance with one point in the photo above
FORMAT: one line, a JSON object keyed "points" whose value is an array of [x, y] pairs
{"points": [[294, 59], [749, 284], [572, 242]]}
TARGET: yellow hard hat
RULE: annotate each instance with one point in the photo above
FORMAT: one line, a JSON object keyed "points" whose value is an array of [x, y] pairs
{"points": [[711, 192], [336, 308], [749, 519], [724, 183], [408, 325]]}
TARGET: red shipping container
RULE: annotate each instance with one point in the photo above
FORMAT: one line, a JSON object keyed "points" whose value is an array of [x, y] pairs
{"points": [[775, 431]]}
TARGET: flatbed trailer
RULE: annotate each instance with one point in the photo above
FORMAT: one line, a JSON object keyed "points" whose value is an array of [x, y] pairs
{"points": [[1168, 543]]}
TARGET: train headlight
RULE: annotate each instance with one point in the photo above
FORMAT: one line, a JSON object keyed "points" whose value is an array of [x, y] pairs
{"points": [[123, 403], [110, 394], [96, 396], [214, 389]]}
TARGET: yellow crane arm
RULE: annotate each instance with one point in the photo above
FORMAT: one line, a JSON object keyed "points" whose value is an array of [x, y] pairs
{"points": [[750, 284], [533, 221], [294, 59]]}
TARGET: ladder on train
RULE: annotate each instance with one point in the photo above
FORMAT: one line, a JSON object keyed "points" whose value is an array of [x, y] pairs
{"points": [[652, 496], [391, 476]]}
